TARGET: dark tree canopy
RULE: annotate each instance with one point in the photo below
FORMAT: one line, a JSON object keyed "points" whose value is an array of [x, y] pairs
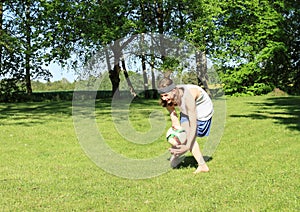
{"points": [[254, 45]]}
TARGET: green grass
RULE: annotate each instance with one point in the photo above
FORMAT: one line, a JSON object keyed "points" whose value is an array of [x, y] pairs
{"points": [[255, 168]]}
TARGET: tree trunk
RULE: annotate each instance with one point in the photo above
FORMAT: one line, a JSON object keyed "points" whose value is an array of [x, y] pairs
{"points": [[155, 94], [131, 88], [115, 80], [1, 34], [160, 20], [201, 67], [145, 78], [152, 64], [114, 74], [28, 51]]}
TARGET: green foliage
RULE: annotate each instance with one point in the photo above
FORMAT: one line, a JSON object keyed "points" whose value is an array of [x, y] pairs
{"points": [[256, 39], [190, 78], [246, 80], [170, 64], [60, 85], [11, 90], [253, 39]]}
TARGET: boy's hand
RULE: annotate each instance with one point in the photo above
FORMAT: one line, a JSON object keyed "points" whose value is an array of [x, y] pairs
{"points": [[179, 150]]}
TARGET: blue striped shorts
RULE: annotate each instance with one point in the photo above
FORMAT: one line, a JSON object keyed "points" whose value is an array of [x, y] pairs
{"points": [[203, 127]]}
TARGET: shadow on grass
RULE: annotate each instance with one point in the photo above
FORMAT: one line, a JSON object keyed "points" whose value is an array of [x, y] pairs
{"points": [[33, 112], [284, 110], [190, 161], [30, 113]]}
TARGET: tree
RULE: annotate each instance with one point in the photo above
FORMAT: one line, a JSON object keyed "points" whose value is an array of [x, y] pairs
{"points": [[251, 48], [26, 50], [254, 42], [289, 71], [9, 62], [112, 20], [1, 32], [200, 31]]}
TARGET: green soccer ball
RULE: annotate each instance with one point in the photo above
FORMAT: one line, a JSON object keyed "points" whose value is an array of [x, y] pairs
{"points": [[176, 136]]}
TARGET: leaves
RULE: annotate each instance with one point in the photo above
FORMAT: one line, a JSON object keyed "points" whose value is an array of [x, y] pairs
{"points": [[252, 42]]}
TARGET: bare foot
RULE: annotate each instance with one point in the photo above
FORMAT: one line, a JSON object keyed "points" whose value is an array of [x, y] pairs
{"points": [[202, 168]]}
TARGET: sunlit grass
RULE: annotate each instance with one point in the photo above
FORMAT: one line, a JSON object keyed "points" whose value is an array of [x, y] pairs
{"points": [[255, 168]]}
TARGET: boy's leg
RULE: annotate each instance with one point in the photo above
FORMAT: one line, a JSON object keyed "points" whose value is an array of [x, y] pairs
{"points": [[202, 166], [195, 150], [203, 129]]}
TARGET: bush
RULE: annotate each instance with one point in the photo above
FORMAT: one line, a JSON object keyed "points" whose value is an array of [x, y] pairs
{"points": [[11, 90]]}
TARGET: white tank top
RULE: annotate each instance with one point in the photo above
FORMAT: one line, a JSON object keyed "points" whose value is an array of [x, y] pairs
{"points": [[204, 105]]}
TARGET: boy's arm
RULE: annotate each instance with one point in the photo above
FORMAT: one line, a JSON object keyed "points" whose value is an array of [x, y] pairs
{"points": [[190, 126], [173, 116]]}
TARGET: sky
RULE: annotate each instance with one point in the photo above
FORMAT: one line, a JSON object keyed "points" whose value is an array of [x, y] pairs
{"points": [[58, 73]]}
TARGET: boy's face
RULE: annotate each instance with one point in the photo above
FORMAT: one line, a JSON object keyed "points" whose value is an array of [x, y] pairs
{"points": [[168, 97]]}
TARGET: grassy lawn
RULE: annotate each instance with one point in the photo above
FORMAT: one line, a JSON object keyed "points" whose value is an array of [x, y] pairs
{"points": [[255, 168]]}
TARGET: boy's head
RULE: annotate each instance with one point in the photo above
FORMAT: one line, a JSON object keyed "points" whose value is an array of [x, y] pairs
{"points": [[166, 88]]}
